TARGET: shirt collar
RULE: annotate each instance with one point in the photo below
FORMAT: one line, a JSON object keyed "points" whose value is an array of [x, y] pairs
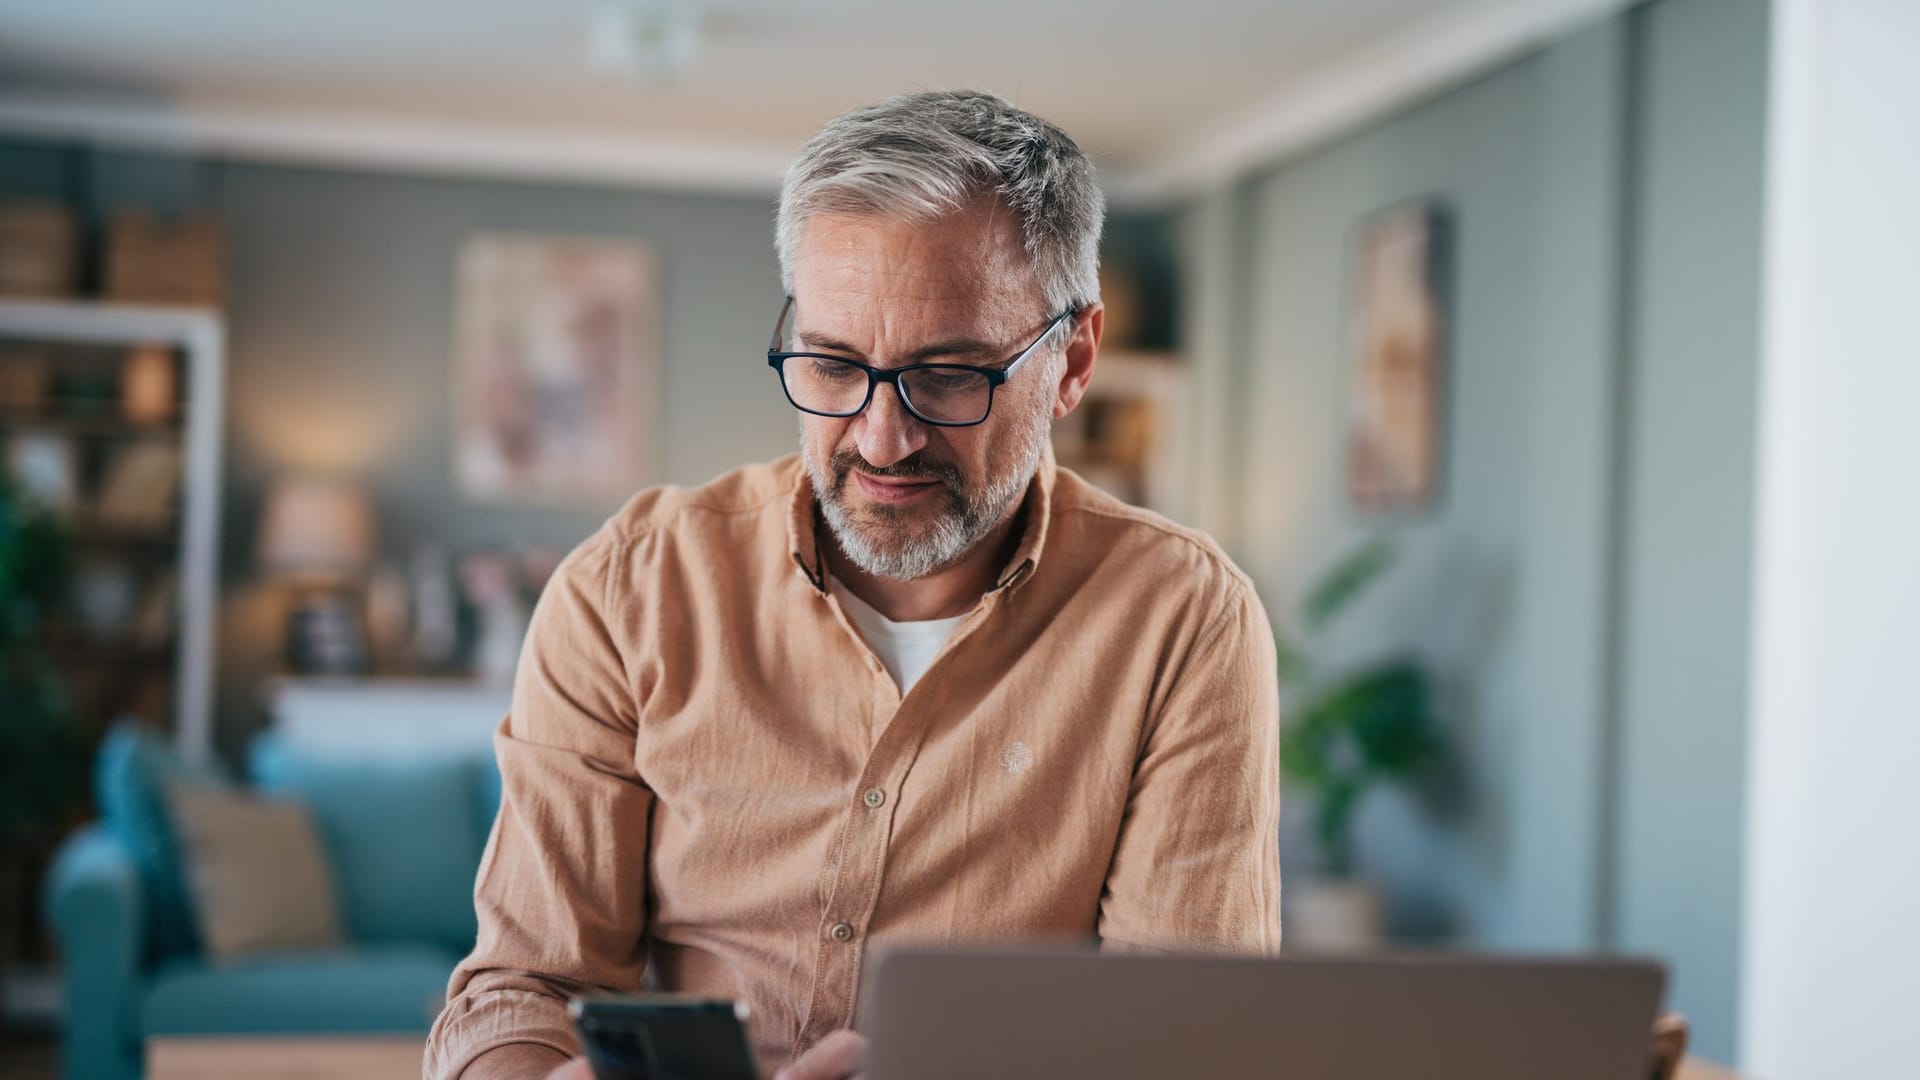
{"points": [[803, 522], [1038, 508], [803, 518]]}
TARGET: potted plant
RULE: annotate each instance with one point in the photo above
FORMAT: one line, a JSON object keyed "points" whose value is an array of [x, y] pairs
{"points": [[1347, 733], [42, 758]]}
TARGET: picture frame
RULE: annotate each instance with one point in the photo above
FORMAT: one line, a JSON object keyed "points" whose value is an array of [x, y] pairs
{"points": [[1398, 355], [556, 368]]}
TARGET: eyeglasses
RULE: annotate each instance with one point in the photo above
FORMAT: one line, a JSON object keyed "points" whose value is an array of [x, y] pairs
{"points": [[946, 395]]}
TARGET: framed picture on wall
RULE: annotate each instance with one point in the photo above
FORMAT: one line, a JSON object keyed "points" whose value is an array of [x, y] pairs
{"points": [[556, 368], [1400, 320]]}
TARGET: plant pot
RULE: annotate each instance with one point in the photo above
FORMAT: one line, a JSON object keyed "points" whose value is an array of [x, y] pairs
{"points": [[1334, 915]]}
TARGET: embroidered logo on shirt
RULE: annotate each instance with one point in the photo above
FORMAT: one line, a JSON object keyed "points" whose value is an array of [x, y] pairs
{"points": [[1016, 758]]}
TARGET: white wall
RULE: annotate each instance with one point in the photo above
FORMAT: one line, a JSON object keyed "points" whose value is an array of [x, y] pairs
{"points": [[1832, 953]]}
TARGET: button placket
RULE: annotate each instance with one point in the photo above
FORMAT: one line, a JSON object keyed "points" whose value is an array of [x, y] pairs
{"points": [[857, 864], [858, 870]]}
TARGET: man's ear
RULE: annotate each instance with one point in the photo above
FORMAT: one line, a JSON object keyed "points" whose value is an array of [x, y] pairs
{"points": [[1083, 348]]}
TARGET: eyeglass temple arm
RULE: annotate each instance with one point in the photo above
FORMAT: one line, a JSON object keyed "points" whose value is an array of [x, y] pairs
{"points": [[1021, 360], [780, 324]]}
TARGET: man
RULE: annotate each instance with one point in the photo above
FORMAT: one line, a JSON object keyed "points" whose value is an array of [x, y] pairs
{"points": [[913, 683]]}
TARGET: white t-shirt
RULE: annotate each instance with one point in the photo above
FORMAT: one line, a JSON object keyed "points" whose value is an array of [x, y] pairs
{"points": [[907, 648]]}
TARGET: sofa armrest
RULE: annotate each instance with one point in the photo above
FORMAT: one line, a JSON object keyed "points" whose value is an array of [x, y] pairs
{"points": [[95, 906]]}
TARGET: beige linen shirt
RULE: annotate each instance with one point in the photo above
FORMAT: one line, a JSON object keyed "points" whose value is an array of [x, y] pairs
{"points": [[712, 786]]}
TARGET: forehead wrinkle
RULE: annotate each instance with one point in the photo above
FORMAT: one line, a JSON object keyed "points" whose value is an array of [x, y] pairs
{"points": [[907, 319], [985, 238], [893, 287], [854, 279]]}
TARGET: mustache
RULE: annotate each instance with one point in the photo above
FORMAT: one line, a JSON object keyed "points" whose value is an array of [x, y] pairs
{"points": [[914, 467]]}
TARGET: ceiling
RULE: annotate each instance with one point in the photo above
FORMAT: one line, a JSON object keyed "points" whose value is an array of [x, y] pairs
{"points": [[1139, 84]]}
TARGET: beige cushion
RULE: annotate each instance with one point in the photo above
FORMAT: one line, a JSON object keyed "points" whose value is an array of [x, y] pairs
{"points": [[255, 869]]}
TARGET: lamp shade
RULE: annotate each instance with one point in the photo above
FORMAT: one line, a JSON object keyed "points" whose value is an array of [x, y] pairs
{"points": [[316, 526]]}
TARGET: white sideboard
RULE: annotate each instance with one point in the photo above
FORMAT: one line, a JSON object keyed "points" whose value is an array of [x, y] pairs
{"points": [[386, 718]]}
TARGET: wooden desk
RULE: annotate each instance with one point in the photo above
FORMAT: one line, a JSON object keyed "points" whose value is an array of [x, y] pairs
{"points": [[386, 1058], [1695, 1069], [265, 1057]]}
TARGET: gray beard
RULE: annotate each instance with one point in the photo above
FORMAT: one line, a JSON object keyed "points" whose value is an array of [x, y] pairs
{"points": [[884, 545]]}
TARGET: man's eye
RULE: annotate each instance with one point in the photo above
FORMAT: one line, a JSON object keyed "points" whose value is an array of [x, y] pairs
{"points": [[832, 371]]}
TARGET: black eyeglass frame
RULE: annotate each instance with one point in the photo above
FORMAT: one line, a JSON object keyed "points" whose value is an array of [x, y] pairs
{"points": [[995, 376]]}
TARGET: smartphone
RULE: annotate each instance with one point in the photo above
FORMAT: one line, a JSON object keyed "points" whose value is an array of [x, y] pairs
{"points": [[664, 1037]]}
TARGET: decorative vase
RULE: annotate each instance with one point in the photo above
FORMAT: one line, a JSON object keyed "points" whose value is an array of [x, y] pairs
{"points": [[1334, 915]]}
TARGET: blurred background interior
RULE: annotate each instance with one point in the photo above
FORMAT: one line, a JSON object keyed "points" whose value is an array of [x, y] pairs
{"points": [[1498, 340]]}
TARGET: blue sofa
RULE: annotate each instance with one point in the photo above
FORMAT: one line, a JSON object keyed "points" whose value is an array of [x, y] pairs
{"points": [[404, 840]]}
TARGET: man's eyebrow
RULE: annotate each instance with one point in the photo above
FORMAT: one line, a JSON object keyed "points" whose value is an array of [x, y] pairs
{"points": [[953, 347]]}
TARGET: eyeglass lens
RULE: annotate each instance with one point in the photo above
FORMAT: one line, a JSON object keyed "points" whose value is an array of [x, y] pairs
{"points": [[942, 394]]}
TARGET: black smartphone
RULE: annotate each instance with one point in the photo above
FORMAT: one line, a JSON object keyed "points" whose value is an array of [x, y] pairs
{"points": [[664, 1037]]}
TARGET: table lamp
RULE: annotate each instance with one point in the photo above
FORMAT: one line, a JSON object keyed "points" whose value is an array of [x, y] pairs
{"points": [[319, 534]]}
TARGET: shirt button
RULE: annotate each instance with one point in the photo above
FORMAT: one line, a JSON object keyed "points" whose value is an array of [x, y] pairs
{"points": [[842, 932], [873, 665], [874, 798]]}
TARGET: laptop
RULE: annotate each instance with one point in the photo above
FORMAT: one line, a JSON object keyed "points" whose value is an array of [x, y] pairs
{"points": [[1056, 1015]]}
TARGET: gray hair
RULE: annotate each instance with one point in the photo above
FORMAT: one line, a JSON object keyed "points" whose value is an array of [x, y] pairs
{"points": [[924, 155]]}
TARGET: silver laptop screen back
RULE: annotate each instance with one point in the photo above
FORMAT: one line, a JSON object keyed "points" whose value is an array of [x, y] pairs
{"points": [[961, 1015]]}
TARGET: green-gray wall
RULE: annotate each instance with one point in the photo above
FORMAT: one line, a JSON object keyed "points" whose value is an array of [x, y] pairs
{"points": [[1581, 587], [1689, 440]]}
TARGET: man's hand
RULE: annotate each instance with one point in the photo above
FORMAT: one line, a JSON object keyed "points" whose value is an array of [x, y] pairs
{"points": [[839, 1056], [577, 1069]]}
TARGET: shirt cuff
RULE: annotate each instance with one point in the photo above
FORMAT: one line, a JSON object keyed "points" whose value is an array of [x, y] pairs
{"points": [[499, 1034], [514, 1061]]}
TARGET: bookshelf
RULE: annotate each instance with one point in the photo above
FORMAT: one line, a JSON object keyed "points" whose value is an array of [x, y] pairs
{"points": [[132, 457], [1129, 436]]}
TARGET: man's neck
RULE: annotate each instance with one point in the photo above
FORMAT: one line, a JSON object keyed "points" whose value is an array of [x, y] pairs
{"points": [[943, 594]]}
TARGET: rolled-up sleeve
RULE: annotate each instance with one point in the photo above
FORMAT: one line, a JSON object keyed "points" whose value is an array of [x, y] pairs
{"points": [[561, 891], [1197, 864]]}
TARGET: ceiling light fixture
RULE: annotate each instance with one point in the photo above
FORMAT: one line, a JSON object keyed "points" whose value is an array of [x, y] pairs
{"points": [[650, 40]]}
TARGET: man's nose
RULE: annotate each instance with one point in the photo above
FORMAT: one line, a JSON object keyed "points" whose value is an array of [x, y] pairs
{"points": [[886, 432]]}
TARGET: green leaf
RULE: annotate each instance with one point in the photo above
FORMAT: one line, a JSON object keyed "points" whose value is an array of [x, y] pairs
{"points": [[42, 751], [1348, 579], [1304, 756], [1396, 730], [1333, 824], [1382, 714]]}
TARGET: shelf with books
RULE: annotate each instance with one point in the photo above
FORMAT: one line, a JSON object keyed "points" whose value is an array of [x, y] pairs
{"points": [[110, 415]]}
